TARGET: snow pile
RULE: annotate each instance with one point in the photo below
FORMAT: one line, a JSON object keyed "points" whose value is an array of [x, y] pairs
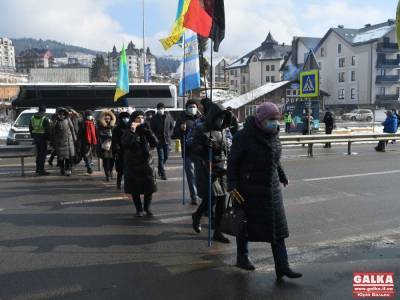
{"points": [[4, 128], [219, 95]]}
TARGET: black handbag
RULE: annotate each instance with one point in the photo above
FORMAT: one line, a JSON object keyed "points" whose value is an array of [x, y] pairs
{"points": [[234, 221]]}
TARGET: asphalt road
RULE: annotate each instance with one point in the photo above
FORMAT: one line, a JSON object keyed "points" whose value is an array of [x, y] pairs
{"points": [[77, 238]]}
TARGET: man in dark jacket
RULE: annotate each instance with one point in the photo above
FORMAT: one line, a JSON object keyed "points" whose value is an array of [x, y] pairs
{"points": [[40, 129], [184, 126], [117, 149], [162, 126], [255, 174], [211, 134], [329, 124]]}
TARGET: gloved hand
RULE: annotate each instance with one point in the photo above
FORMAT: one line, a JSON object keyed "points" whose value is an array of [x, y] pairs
{"points": [[235, 195]]}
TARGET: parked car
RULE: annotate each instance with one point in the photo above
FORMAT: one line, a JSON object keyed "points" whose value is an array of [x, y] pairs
{"points": [[359, 115], [19, 132]]}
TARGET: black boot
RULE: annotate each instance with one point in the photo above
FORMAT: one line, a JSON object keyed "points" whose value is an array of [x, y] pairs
{"points": [[219, 237], [288, 272], [147, 202], [245, 263], [196, 223], [138, 206]]}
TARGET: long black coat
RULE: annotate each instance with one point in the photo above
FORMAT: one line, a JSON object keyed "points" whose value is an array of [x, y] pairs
{"points": [[190, 122], [329, 122], [117, 149], [220, 149], [162, 126], [139, 176], [254, 169]]}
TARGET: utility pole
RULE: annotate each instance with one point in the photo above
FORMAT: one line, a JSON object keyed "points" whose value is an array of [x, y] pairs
{"points": [[144, 43]]}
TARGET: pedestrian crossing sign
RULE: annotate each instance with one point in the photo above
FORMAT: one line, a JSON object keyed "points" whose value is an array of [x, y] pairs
{"points": [[309, 84]]}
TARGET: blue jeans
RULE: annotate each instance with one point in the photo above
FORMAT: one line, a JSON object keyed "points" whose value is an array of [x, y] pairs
{"points": [[278, 250], [191, 177], [163, 152]]}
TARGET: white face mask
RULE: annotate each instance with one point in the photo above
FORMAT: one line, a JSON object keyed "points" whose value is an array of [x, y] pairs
{"points": [[192, 111], [125, 120], [161, 111], [89, 118]]}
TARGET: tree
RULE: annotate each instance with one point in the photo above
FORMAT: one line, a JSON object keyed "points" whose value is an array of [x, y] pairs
{"points": [[100, 71], [204, 65]]}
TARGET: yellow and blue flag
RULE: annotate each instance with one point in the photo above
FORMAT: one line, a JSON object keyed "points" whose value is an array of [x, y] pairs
{"points": [[123, 77], [178, 29]]}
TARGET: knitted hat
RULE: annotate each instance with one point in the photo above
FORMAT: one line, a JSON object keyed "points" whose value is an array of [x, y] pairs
{"points": [[135, 114], [160, 105], [267, 110]]}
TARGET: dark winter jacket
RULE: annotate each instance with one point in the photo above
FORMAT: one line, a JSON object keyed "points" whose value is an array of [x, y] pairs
{"points": [[200, 150], [139, 174], [162, 126], [390, 124], [117, 149], [329, 122], [64, 138], [254, 169], [104, 132], [190, 122]]}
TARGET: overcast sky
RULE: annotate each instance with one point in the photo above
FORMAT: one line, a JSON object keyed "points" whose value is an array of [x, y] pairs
{"points": [[99, 24]]}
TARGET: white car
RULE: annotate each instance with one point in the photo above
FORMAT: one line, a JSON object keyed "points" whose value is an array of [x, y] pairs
{"points": [[19, 132], [359, 115]]}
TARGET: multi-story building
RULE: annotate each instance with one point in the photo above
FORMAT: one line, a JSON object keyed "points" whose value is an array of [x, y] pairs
{"points": [[258, 67], [34, 58], [7, 55], [360, 67], [135, 61]]}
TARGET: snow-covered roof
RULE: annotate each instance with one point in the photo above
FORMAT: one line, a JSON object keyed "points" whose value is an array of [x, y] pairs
{"points": [[249, 97], [373, 34]]}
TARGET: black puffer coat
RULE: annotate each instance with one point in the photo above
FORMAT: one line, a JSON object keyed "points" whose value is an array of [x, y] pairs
{"points": [[117, 149], [200, 151], [139, 176], [254, 169], [190, 122]]}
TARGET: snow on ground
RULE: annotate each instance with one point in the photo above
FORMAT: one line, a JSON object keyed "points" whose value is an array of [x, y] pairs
{"points": [[4, 128], [220, 95]]}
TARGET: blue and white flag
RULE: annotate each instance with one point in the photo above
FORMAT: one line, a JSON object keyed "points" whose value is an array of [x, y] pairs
{"points": [[190, 74]]}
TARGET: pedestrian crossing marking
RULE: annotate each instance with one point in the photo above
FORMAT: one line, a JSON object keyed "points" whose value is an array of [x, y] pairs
{"points": [[309, 86]]}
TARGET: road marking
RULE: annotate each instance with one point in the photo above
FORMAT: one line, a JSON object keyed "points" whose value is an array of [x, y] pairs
{"points": [[318, 198], [17, 165], [1, 209], [17, 172], [351, 175], [92, 200], [173, 220]]}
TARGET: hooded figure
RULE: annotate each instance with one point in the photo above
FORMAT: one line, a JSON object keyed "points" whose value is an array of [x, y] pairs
{"points": [[139, 178], [211, 134], [117, 149], [88, 139], [64, 140], [105, 126], [255, 173]]}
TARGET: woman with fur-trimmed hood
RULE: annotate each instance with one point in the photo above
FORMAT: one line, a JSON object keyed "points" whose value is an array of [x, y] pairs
{"points": [[105, 126]]}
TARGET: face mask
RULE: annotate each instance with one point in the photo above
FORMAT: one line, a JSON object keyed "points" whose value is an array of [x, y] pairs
{"points": [[160, 111], [89, 118], [272, 125], [125, 120], [192, 111], [141, 121]]}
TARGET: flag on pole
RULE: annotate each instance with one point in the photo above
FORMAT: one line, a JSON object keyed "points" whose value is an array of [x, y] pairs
{"points": [[177, 29], [190, 74], [207, 18], [398, 23], [123, 77]]}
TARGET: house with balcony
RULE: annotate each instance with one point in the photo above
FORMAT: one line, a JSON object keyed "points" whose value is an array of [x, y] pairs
{"points": [[360, 68]]}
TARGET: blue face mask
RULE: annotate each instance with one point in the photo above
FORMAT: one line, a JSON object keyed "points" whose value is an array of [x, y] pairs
{"points": [[272, 125]]}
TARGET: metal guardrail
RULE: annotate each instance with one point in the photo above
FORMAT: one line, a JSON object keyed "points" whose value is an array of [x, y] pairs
{"points": [[310, 140], [18, 152]]}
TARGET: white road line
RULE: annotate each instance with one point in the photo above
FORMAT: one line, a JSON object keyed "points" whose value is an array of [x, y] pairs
{"points": [[92, 201], [173, 220], [1, 209], [351, 175]]}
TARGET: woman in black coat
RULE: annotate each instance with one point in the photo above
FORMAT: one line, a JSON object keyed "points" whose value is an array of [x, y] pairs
{"points": [[139, 176], [117, 149], [255, 173]]}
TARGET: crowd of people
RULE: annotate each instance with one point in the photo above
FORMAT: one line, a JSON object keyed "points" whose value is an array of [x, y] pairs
{"points": [[214, 151]]}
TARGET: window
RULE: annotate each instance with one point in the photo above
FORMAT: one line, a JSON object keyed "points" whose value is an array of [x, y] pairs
{"points": [[382, 91], [267, 68], [288, 92], [353, 60], [254, 59], [341, 94], [272, 78], [232, 72], [398, 91], [341, 63], [232, 82], [243, 79], [353, 93], [267, 79], [322, 52], [341, 77], [236, 72], [353, 75], [273, 68], [250, 110], [339, 48]]}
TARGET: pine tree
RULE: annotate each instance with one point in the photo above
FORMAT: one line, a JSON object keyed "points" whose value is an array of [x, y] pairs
{"points": [[204, 65], [100, 71]]}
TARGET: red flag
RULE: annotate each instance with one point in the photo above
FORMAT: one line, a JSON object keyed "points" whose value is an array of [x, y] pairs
{"points": [[198, 20], [216, 10]]}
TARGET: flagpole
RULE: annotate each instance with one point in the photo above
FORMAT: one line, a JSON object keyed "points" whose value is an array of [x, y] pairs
{"points": [[210, 164], [144, 44], [211, 72], [183, 105]]}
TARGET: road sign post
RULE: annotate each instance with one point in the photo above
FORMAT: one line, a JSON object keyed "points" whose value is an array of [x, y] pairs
{"points": [[309, 88]]}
